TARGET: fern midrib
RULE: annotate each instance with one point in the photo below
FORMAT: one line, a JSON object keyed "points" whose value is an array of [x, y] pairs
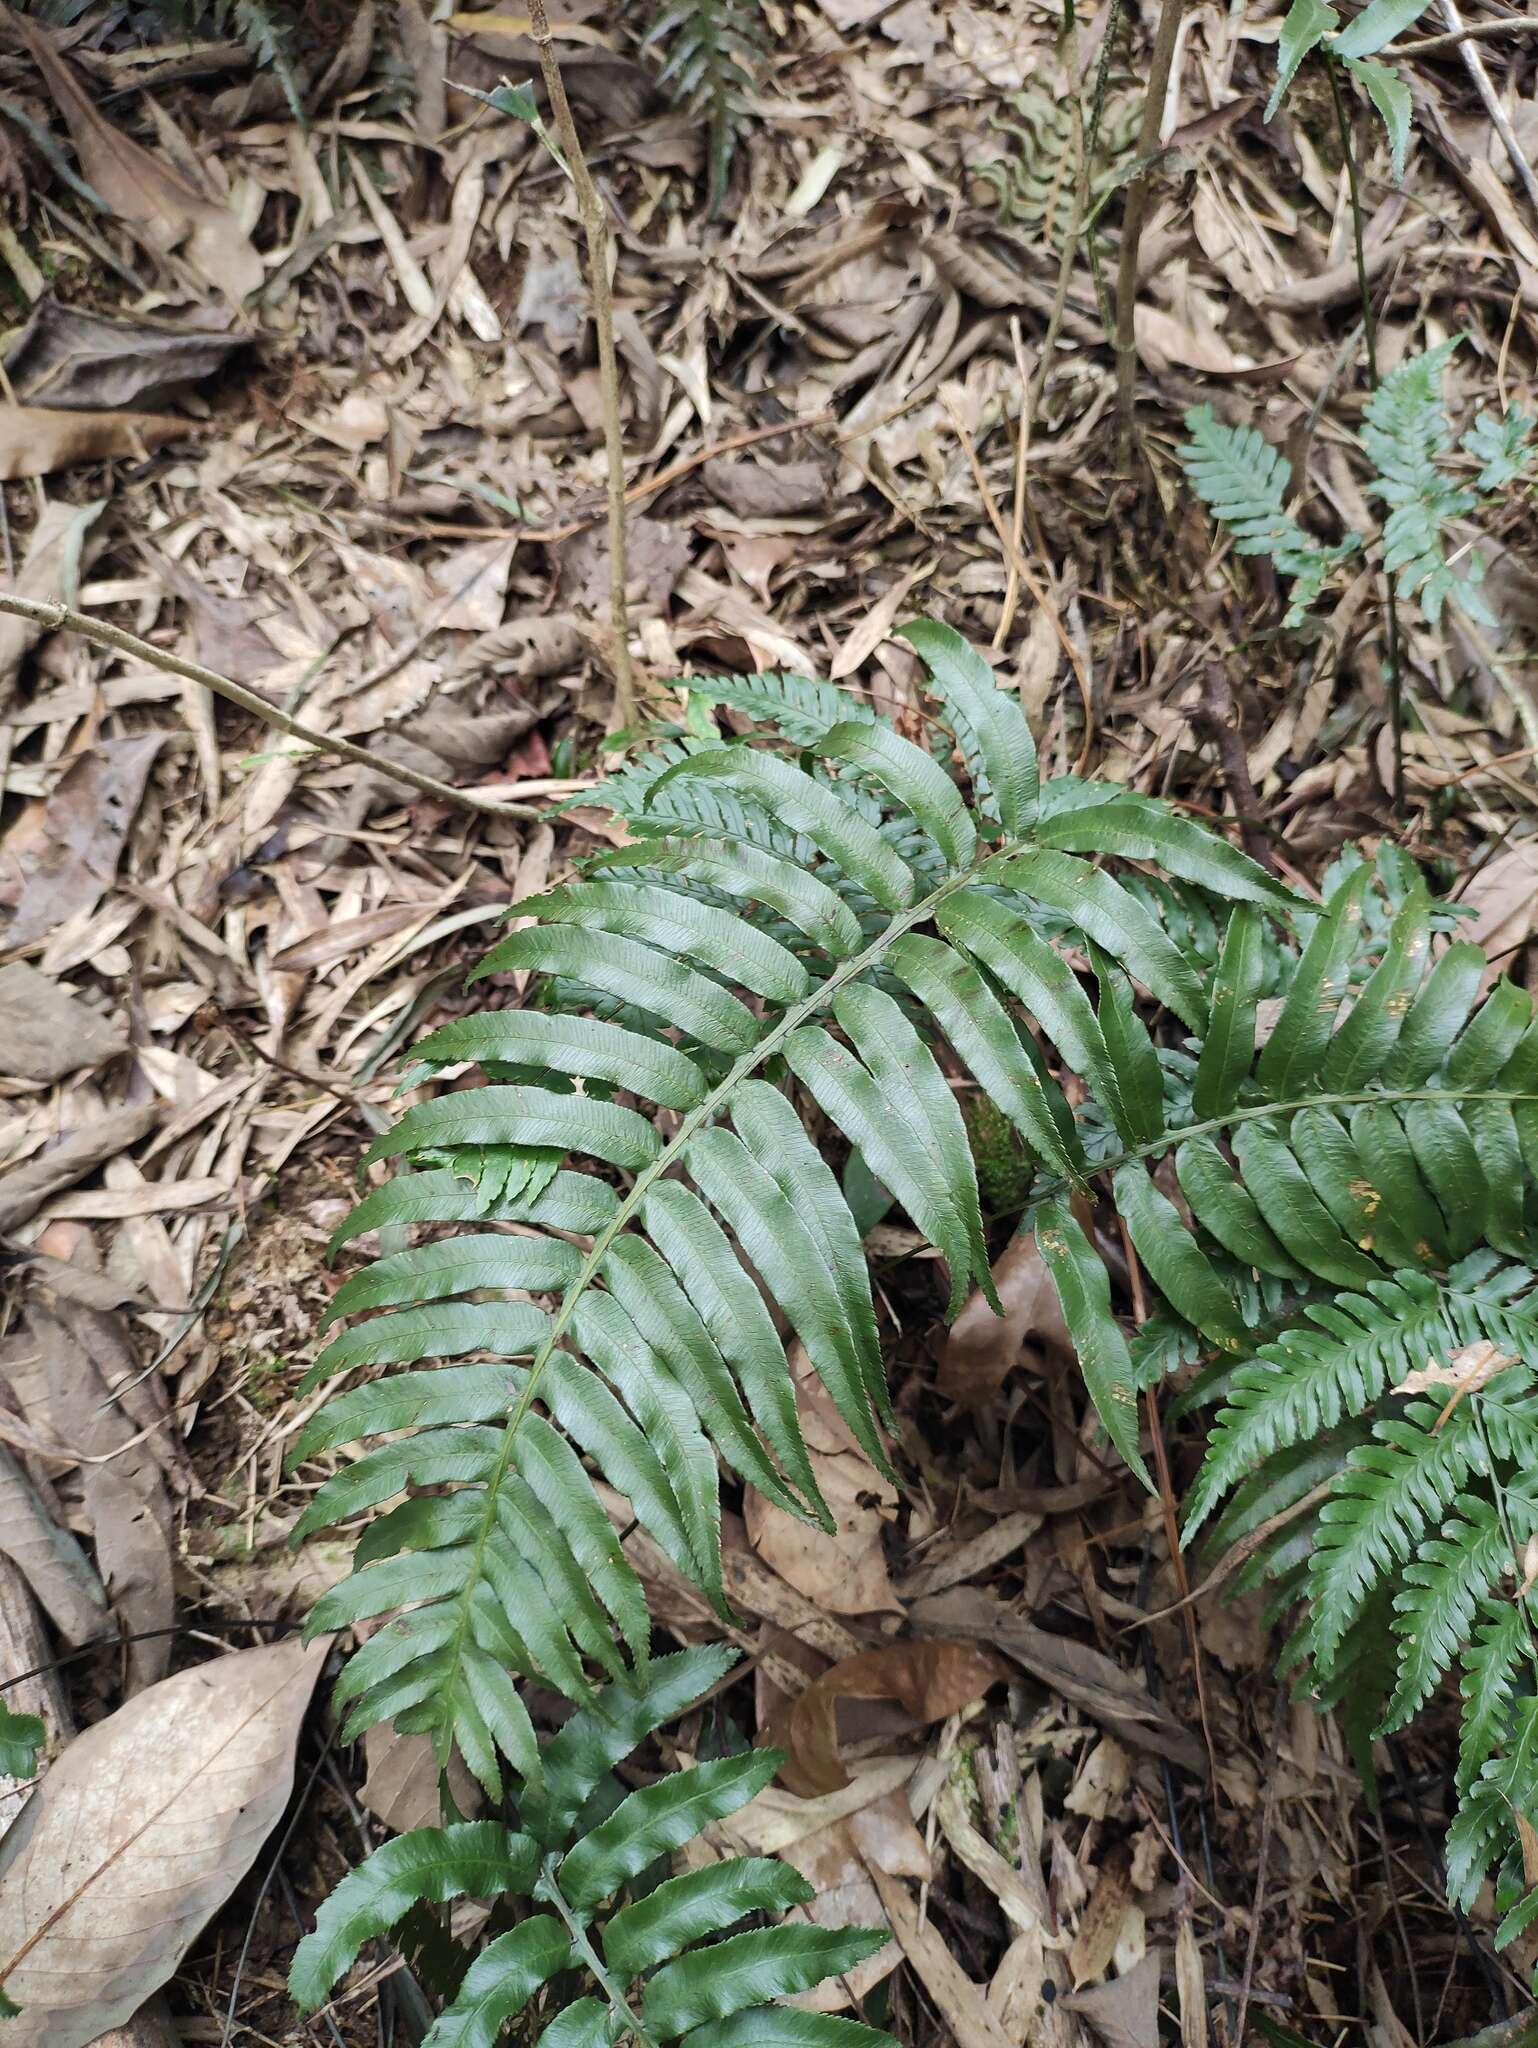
{"points": [[740, 1071], [1352, 1099]]}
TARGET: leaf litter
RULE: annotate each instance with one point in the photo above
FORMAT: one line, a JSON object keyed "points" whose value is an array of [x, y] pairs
{"points": [[320, 412]]}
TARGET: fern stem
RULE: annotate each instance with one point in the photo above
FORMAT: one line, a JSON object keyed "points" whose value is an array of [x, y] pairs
{"points": [[548, 1888], [1370, 338]]}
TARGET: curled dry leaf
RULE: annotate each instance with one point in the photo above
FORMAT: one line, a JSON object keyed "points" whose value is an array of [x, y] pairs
{"points": [[50, 1560], [982, 1348], [845, 1572], [73, 357], [35, 440], [929, 1679], [139, 1834]]}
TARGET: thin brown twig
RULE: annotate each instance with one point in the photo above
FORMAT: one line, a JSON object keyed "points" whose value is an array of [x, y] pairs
{"points": [[595, 227], [1015, 556], [1479, 31], [60, 618], [1262, 1858]]}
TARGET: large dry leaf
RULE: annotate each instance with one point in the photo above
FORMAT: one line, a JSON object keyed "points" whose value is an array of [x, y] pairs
{"points": [[85, 824], [140, 188], [82, 360], [35, 440], [845, 1572], [1125, 2012], [45, 1031], [929, 1679], [983, 1348], [836, 1861], [139, 1834]]}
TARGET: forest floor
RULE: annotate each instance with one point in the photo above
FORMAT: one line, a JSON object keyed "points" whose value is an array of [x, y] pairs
{"points": [[317, 407]]}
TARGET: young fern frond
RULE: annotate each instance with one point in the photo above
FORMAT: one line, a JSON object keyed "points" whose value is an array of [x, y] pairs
{"points": [[577, 1845], [1407, 435], [713, 50], [829, 911], [1244, 481]]}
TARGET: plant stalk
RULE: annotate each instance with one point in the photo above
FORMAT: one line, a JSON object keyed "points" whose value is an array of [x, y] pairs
{"points": [[595, 227], [1134, 219], [1370, 337]]}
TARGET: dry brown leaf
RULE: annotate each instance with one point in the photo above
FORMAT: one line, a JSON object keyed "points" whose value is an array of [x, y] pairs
{"points": [[86, 821], [1190, 1987], [1469, 1368], [47, 1031], [50, 1559], [961, 2003], [70, 356], [141, 189], [137, 1836], [929, 1679], [952, 1564], [760, 490], [983, 1348], [60, 547], [836, 1861], [1125, 2012], [401, 1785], [1503, 894], [35, 440], [26, 1188], [845, 1572], [1100, 1927]]}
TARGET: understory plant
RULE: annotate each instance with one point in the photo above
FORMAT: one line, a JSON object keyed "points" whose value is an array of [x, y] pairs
{"points": [[826, 914], [1407, 437], [711, 51]]}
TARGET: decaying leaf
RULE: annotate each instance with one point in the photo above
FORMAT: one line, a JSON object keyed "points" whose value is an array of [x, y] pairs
{"points": [[50, 1559], [139, 1833], [26, 1188], [1125, 2012], [401, 1785], [83, 360], [35, 440], [929, 1679], [140, 188], [87, 820], [982, 1348], [1100, 1925], [1465, 1372], [845, 1572], [45, 1031], [62, 543]]}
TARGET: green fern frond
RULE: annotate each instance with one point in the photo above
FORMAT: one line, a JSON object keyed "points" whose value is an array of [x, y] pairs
{"points": [[1405, 431], [570, 1866], [1502, 444], [845, 919], [713, 51], [1444, 1586], [1244, 481]]}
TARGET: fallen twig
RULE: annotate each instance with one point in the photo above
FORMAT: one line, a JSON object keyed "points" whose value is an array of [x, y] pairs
{"points": [[60, 618]]}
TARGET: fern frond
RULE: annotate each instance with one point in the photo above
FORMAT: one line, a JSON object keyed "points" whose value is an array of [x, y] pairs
{"points": [[1244, 481], [569, 1871], [1502, 444], [1444, 1585], [713, 50], [1405, 431]]}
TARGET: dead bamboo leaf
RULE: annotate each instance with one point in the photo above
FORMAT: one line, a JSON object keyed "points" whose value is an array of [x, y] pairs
{"points": [[930, 1680], [26, 1188], [142, 190], [137, 1836], [961, 2003]]}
